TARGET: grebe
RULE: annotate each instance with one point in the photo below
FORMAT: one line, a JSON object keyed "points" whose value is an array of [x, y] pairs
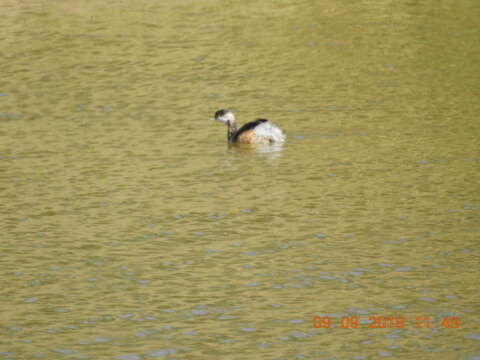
{"points": [[259, 131]]}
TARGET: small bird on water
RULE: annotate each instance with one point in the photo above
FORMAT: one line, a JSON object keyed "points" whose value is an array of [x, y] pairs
{"points": [[259, 131]]}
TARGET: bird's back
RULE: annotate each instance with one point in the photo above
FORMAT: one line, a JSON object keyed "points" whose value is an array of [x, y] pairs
{"points": [[251, 125]]}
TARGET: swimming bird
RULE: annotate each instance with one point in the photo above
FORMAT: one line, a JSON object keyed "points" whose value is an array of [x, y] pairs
{"points": [[259, 131]]}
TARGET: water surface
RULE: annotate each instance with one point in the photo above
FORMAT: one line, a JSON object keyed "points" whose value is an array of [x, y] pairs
{"points": [[130, 230]]}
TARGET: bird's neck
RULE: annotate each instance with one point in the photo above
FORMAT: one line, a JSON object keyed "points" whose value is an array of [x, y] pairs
{"points": [[232, 129]]}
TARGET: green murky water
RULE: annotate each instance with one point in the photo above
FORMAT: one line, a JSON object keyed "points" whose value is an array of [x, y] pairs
{"points": [[130, 230]]}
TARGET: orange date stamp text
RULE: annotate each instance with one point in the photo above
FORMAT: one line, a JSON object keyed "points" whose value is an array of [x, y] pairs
{"points": [[385, 322]]}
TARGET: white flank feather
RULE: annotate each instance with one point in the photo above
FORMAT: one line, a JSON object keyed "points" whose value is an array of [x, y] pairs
{"points": [[270, 132]]}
